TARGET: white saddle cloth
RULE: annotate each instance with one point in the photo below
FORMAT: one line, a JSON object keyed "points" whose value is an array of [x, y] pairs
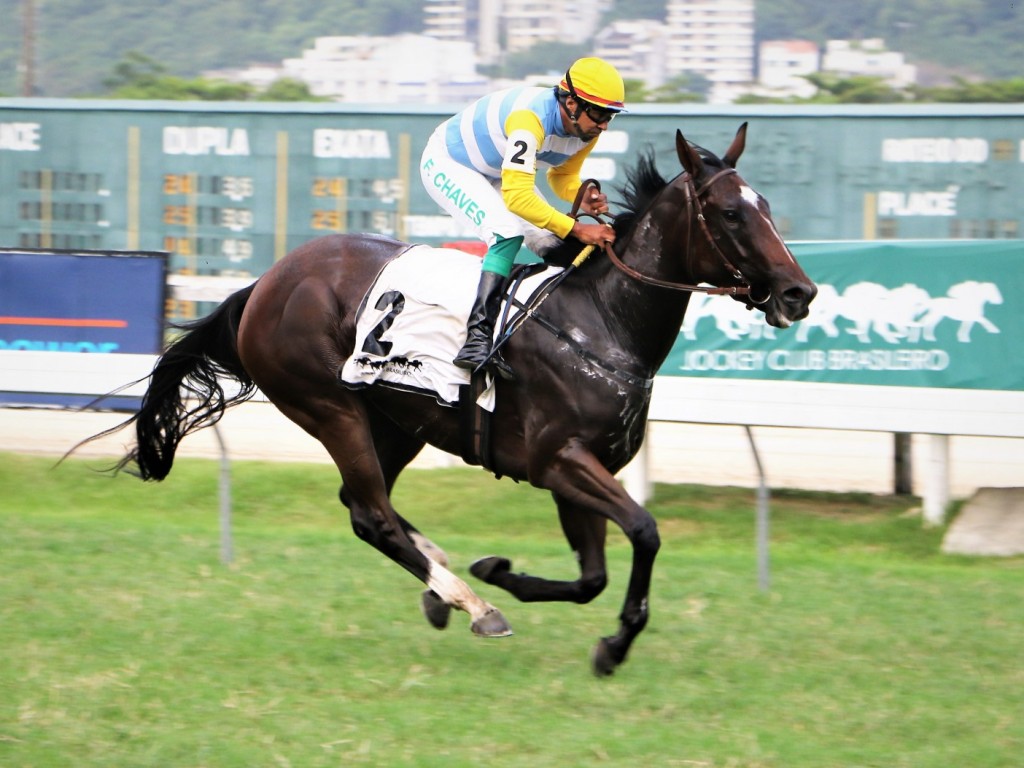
{"points": [[412, 323]]}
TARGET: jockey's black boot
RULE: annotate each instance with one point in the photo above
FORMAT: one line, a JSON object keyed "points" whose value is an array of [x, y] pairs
{"points": [[480, 327]]}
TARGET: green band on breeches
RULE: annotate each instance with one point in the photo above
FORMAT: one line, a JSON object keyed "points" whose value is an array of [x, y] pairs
{"points": [[500, 256]]}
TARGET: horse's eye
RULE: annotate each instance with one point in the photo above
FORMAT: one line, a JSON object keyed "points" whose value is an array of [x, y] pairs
{"points": [[731, 216]]}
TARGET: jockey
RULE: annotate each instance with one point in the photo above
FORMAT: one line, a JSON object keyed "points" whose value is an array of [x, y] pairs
{"points": [[481, 165]]}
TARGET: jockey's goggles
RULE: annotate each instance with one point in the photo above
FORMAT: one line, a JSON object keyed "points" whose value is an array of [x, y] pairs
{"points": [[598, 114]]}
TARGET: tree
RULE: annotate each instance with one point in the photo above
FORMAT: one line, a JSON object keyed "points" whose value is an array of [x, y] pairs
{"points": [[684, 87], [540, 59], [137, 76], [288, 89], [636, 91], [990, 92], [860, 89], [135, 69], [873, 90]]}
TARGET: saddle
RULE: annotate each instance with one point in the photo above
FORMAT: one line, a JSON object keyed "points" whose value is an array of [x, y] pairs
{"points": [[412, 322]]}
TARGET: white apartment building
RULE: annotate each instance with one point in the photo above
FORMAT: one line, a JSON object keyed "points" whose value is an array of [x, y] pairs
{"points": [[448, 19], [636, 48], [409, 69], [713, 38], [850, 58], [474, 21], [521, 24], [528, 22], [783, 66]]}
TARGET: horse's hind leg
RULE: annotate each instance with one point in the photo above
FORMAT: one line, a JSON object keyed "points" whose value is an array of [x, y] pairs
{"points": [[395, 450], [586, 534], [367, 478], [435, 609]]}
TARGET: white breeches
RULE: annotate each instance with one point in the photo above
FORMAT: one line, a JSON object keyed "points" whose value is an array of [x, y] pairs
{"points": [[475, 199]]}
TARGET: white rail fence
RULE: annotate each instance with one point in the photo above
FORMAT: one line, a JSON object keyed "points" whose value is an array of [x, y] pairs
{"points": [[936, 413]]}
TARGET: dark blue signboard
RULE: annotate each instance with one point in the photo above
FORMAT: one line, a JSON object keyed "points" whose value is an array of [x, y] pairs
{"points": [[82, 301], [96, 302]]}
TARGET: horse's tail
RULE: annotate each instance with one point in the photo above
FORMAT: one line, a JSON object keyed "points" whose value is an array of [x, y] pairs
{"points": [[185, 392]]}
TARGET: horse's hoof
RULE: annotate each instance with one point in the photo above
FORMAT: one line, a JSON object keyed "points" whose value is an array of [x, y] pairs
{"points": [[486, 568], [435, 609], [491, 624], [603, 659]]}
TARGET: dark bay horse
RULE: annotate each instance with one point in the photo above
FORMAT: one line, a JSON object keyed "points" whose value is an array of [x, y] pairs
{"points": [[574, 415]]}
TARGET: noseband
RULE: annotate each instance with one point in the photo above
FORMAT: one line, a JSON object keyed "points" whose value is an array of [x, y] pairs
{"points": [[693, 201]]}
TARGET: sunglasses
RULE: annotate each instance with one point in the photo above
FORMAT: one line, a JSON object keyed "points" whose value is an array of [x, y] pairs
{"points": [[598, 114]]}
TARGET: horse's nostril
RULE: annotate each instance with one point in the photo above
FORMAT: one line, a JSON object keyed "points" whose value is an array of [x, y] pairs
{"points": [[800, 294]]}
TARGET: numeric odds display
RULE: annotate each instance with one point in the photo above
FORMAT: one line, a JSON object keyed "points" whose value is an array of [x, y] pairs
{"points": [[230, 188], [224, 191], [206, 216]]}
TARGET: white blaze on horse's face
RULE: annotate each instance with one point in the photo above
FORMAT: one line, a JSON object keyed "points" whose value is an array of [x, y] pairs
{"points": [[754, 200], [748, 194]]}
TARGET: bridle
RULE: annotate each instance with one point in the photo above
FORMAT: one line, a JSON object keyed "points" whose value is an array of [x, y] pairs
{"points": [[693, 196], [693, 201]]}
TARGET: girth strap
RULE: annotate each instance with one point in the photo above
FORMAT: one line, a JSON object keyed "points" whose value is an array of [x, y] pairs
{"points": [[475, 424]]}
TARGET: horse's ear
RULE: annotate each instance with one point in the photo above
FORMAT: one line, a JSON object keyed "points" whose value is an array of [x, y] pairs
{"points": [[736, 148], [688, 157]]}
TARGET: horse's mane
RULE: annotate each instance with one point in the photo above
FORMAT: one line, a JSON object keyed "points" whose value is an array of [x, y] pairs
{"points": [[643, 183]]}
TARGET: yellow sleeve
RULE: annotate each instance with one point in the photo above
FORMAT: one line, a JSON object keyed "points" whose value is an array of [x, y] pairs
{"points": [[519, 175], [565, 179]]}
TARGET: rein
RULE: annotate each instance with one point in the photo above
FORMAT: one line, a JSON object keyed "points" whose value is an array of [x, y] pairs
{"points": [[693, 196]]}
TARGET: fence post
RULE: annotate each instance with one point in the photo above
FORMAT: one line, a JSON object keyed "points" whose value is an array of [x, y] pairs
{"points": [[226, 543], [903, 464], [936, 481], [763, 564]]}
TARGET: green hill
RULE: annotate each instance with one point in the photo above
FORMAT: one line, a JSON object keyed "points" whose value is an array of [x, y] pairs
{"points": [[79, 41]]}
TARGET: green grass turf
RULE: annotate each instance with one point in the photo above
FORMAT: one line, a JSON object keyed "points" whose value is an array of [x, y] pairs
{"points": [[127, 643]]}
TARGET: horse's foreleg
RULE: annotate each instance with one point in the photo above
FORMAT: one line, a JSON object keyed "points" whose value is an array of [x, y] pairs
{"points": [[586, 535], [576, 475]]}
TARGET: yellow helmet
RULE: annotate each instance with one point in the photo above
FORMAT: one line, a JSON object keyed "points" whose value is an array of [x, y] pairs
{"points": [[597, 82]]}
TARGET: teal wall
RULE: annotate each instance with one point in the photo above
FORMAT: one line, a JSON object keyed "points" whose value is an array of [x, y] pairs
{"points": [[228, 188]]}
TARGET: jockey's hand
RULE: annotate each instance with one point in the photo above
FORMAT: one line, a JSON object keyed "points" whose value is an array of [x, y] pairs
{"points": [[593, 234], [594, 202]]}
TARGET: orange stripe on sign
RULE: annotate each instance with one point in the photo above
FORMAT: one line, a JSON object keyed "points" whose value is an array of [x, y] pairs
{"points": [[64, 322]]}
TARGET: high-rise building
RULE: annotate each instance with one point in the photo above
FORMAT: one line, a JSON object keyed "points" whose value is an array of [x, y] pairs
{"points": [[472, 21], [520, 24], [635, 48], [715, 39]]}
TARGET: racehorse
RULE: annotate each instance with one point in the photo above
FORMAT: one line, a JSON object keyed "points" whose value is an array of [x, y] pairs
{"points": [[573, 416]]}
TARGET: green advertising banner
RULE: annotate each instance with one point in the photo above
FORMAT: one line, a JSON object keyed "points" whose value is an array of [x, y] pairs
{"points": [[897, 313]]}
